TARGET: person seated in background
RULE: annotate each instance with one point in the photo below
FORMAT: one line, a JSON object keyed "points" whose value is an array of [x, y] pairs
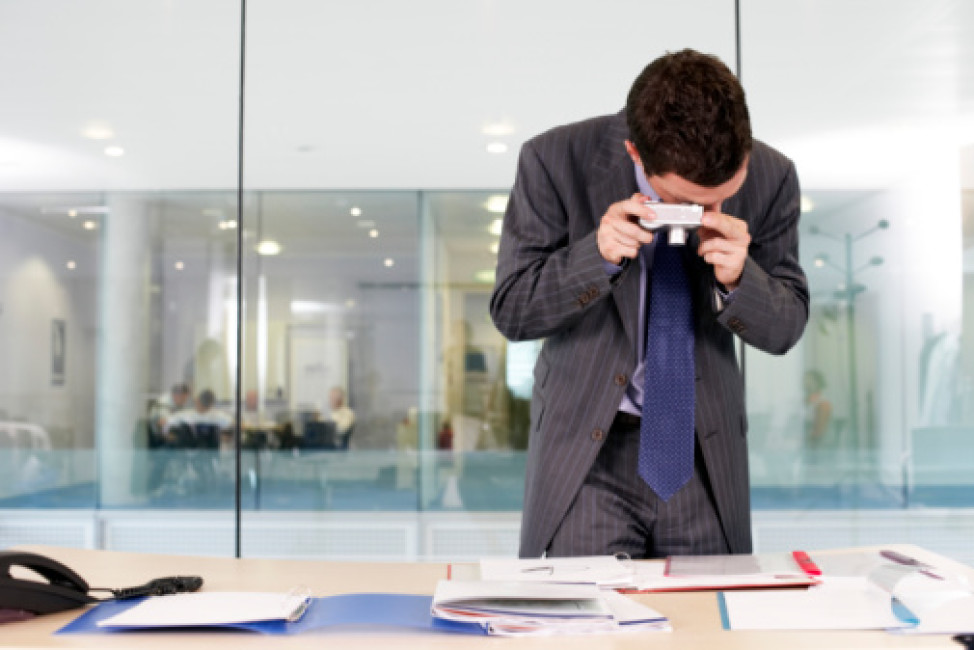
{"points": [[190, 420], [341, 414], [162, 409]]}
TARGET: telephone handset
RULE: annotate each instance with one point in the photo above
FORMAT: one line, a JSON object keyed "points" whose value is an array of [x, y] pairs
{"points": [[64, 588]]}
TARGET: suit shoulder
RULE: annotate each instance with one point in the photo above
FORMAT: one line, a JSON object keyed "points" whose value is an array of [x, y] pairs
{"points": [[574, 134], [768, 159]]}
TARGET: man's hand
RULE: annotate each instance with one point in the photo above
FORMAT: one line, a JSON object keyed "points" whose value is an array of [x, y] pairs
{"points": [[620, 234], [723, 243]]}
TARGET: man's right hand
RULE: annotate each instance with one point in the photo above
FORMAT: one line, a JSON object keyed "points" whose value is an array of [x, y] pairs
{"points": [[620, 235]]}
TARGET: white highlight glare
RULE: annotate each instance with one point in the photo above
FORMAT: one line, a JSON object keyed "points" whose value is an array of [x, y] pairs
{"points": [[496, 147], [389, 262], [356, 211], [495, 227], [114, 152], [497, 203], [373, 233], [268, 247]]}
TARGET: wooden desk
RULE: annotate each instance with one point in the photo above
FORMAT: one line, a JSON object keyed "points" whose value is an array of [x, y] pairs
{"points": [[695, 618]]}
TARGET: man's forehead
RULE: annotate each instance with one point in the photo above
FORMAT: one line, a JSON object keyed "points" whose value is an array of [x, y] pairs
{"points": [[673, 187]]}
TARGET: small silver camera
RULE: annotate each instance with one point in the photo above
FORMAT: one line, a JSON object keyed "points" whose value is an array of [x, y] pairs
{"points": [[676, 217]]}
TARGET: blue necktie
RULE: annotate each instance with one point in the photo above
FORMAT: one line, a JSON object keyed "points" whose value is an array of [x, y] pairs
{"points": [[666, 431]]}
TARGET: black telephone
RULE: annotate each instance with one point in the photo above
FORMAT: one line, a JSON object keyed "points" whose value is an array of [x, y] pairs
{"points": [[65, 589]]}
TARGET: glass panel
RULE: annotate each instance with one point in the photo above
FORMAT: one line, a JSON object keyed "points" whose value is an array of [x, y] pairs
{"points": [[872, 434], [115, 285]]}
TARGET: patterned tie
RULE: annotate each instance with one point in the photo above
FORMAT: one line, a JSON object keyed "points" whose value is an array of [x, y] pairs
{"points": [[666, 432]]}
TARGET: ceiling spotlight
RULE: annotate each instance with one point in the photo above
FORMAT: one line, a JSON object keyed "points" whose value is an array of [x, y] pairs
{"points": [[72, 265], [179, 266], [807, 205], [114, 151], [356, 211], [497, 129], [496, 147], [227, 224], [72, 213], [485, 276], [373, 233], [495, 227], [268, 247], [89, 225], [389, 262], [494, 247], [98, 131]]}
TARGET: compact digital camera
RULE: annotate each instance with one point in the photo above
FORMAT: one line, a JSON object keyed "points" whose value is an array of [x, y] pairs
{"points": [[676, 217]]}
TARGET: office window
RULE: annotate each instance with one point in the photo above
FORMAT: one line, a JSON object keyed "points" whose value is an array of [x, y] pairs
{"points": [[351, 269]]}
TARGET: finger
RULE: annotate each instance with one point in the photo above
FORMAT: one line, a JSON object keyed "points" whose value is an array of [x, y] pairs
{"points": [[726, 225]]}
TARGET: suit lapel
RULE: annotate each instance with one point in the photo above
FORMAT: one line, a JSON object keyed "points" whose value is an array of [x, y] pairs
{"points": [[614, 181]]}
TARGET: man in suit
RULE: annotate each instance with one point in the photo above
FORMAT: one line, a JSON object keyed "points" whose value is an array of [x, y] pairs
{"points": [[575, 267]]}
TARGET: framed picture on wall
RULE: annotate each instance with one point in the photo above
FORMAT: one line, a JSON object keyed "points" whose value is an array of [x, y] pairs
{"points": [[58, 341]]}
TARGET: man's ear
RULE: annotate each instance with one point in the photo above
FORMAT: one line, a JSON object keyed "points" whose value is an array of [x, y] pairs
{"points": [[631, 150]]}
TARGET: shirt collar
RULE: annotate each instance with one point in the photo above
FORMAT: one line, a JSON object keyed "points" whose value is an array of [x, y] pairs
{"points": [[643, 184]]}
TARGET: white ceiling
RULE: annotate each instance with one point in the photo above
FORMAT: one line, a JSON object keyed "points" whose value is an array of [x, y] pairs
{"points": [[389, 94]]}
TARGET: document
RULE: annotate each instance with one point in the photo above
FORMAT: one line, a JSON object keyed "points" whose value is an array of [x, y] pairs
{"points": [[690, 573], [537, 608], [603, 570], [901, 599], [211, 609]]}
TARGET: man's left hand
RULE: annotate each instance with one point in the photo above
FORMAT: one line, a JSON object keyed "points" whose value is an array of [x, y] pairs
{"points": [[723, 244]]}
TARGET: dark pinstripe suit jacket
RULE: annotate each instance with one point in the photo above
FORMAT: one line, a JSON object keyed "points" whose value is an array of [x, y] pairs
{"points": [[551, 284]]}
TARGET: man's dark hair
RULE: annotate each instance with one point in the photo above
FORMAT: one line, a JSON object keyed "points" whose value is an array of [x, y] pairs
{"points": [[206, 398], [687, 115]]}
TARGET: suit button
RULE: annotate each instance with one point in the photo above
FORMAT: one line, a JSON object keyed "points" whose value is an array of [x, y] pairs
{"points": [[593, 293], [621, 380], [598, 435], [737, 325], [583, 300]]}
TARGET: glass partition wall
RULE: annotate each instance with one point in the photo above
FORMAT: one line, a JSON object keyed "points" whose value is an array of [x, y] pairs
{"points": [[317, 342]]}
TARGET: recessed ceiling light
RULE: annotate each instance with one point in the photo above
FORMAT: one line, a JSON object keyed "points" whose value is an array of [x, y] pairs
{"points": [[98, 131], [71, 265], [807, 205], [485, 276], [179, 266], [373, 233], [72, 213], [496, 203], [494, 247], [90, 225], [495, 227], [389, 262], [114, 151], [356, 211], [497, 129], [496, 147], [227, 224], [268, 247]]}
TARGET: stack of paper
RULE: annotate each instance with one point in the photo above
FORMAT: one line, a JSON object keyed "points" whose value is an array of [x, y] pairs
{"points": [[679, 573], [524, 608], [896, 598]]}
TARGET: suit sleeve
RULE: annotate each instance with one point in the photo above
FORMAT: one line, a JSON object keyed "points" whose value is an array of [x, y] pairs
{"points": [[549, 269], [770, 308]]}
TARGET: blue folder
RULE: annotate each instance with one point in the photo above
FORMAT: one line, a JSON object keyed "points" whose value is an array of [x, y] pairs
{"points": [[345, 611]]}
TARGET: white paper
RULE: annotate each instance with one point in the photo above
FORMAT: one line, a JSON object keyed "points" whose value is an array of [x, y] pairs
{"points": [[603, 570], [835, 604], [530, 599], [208, 608], [651, 576]]}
